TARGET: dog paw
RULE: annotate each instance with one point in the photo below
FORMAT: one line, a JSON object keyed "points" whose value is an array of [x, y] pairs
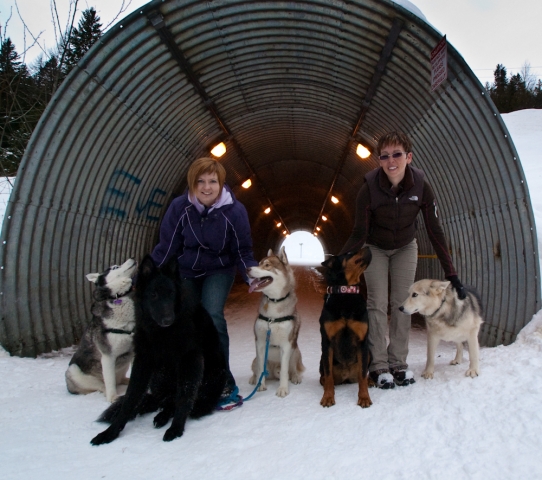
{"points": [[112, 398], [262, 388], [427, 374], [161, 419], [455, 362], [107, 436], [172, 433], [253, 380], [327, 401], [296, 379], [364, 402], [282, 392], [471, 372]]}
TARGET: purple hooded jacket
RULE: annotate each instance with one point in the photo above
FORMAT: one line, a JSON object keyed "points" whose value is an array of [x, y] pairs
{"points": [[206, 242]]}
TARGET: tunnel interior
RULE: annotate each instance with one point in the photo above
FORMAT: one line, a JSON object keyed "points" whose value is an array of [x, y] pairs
{"points": [[291, 89]]}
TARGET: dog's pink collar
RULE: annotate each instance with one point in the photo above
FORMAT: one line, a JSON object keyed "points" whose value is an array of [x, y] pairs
{"points": [[343, 289]]}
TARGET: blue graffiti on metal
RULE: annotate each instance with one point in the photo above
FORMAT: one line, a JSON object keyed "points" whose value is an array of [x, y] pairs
{"points": [[121, 186]]}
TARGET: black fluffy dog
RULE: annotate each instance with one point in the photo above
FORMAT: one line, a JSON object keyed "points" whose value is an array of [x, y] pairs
{"points": [[178, 367], [344, 327]]}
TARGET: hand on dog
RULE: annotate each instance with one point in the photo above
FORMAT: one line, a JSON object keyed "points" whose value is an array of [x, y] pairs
{"points": [[458, 286]]}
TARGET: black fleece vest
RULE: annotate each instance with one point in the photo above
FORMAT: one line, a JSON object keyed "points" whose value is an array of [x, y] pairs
{"points": [[393, 215]]}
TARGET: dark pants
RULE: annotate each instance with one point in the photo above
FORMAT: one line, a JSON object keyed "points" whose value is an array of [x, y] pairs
{"points": [[213, 292]]}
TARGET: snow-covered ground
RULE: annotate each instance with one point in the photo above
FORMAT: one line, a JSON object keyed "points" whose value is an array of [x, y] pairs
{"points": [[452, 427]]}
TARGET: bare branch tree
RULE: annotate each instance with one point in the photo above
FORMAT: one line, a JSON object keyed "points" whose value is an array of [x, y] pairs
{"points": [[123, 7], [528, 77]]}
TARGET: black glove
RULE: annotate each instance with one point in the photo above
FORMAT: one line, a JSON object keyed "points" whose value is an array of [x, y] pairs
{"points": [[459, 288]]}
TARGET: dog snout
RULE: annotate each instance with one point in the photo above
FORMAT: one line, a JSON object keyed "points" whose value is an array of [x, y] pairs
{"points": [[401, 308], [166, 321]]}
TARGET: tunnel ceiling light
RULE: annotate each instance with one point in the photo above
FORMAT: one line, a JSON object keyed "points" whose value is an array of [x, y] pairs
{"points": [[279, 225], [267, 210], [315, 234], [246, 183], [284, 232], [324, 218], [335, 200], [363, 152], [219, 149], [318, 228]]}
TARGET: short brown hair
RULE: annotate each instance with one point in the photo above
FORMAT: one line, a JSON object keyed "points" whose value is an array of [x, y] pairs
{"points": [[201, 166], [394, 138]]}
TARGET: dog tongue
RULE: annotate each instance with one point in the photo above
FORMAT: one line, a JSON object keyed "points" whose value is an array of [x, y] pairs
{"points": [[254, 284]]}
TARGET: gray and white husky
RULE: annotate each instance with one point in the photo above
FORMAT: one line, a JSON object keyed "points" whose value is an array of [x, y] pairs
{"points": [[274, 277], [106, 351], [447, 318]]}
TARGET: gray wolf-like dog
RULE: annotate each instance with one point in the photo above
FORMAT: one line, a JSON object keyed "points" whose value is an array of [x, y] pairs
{"points": [[106, 349], [274, 277], [447, 318]]}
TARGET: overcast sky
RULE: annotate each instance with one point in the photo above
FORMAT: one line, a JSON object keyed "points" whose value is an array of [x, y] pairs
{"points": [[485, 32]]}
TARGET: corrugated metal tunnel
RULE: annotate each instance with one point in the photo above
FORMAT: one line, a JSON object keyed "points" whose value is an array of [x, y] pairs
{"points": [[291, 88]]}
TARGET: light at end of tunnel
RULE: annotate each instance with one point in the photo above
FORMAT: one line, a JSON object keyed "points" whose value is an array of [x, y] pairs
{"points": [[219, 150], [246, 183], [267, 210], [279, 224], [324, 218], [335, 200], [363, 152]]}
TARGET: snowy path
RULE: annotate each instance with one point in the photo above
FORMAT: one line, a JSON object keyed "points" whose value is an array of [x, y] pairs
{"points": [[452, 427]]}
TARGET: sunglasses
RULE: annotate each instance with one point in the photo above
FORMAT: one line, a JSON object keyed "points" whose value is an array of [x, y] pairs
{"points": [[394, 155]]}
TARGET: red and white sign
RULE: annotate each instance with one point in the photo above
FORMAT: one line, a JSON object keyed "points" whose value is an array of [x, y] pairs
{"points": [[439, 63]]}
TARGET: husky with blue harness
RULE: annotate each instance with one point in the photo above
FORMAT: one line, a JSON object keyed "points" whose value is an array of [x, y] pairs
{"points": [[277, 313]]}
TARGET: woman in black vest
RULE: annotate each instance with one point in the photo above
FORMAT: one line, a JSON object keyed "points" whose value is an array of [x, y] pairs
{"points": [[387, 206]]}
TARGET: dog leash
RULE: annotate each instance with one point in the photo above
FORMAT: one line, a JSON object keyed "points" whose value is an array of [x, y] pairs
{"points": [[264, 372]]}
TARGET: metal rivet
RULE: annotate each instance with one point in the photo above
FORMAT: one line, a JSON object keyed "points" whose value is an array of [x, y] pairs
{"points": [[506, 136]]}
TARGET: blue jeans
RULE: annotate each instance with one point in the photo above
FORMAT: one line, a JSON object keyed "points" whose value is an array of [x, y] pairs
{"points": [[213, 292]]}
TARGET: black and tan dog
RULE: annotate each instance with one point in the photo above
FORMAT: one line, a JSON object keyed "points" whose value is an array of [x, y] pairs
{"points": [[344, 327]]}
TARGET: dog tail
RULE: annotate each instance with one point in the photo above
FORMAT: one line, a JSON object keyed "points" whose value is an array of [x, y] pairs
{"points": [[149, 403]]}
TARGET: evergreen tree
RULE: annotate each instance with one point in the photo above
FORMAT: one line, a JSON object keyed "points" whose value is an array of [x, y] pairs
{"points": [[515, 93], [16, 108], [82, 38]]}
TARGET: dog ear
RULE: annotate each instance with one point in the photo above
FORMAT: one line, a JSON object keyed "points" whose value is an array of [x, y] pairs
{"points": [[439, 286], [270, 253], [92, 277], [171, 268], [282, 256], [146, 268]]}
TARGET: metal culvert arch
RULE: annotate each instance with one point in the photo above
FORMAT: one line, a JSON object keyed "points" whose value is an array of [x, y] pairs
{"points": [[291, 87]]}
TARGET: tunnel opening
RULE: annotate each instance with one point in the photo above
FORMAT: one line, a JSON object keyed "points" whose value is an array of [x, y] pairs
{"points": [[303, 248]]}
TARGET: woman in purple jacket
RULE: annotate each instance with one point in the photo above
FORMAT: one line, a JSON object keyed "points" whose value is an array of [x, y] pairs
{"points": [[207, 229]]}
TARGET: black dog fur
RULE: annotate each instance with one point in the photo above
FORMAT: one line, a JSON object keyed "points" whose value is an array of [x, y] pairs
{"points": [[178, 367], [344, 327]]}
